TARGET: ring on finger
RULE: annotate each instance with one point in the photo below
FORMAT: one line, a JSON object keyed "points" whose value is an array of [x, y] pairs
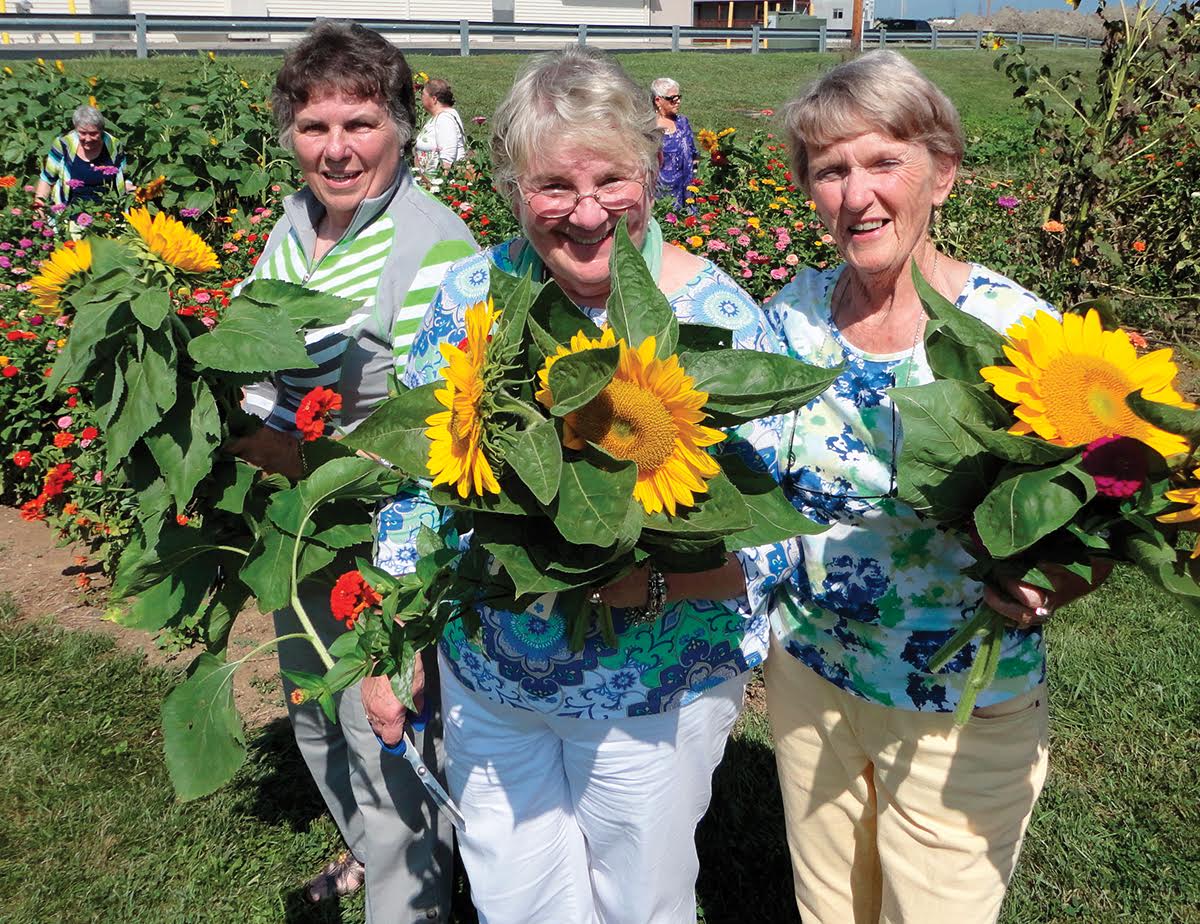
{"points": [[594, 599]]}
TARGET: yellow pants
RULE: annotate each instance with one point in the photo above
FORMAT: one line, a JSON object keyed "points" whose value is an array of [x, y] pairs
{"points": [[900, 816]]}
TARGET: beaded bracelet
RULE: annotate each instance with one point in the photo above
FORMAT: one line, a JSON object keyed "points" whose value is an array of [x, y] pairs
{"points": [[656, 598]]}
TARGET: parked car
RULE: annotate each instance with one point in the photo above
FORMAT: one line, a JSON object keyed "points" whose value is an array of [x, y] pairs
{"points": [[903, 25]]}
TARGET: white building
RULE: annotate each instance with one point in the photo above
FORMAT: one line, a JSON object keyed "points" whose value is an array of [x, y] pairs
{"points": [[839, 13]]}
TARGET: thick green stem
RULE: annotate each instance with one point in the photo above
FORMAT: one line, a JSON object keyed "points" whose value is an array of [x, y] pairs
{"points": [[983, 668], [301, 614]]}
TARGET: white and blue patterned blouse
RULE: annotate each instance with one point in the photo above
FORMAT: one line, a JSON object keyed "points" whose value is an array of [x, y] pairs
{"points": [[525, 660], [880, 591]]}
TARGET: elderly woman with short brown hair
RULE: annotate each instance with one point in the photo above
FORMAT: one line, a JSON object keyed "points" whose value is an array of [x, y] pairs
{"points": [[893, 812], [582, 774], [361, 229]]}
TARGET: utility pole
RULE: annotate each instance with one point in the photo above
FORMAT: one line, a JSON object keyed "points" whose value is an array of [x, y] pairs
{"points": [[856, 26]]}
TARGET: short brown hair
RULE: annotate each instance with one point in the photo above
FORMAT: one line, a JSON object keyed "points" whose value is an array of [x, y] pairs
{"points": [[348, 58], [440, 90], [879, 91]]}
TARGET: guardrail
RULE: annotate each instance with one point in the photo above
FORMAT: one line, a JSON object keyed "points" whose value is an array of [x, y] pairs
{"points": [[138, 27]]}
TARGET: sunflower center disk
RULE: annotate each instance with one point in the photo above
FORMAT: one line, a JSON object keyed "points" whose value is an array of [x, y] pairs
{"points": [[629, 422], [1085, 398]]}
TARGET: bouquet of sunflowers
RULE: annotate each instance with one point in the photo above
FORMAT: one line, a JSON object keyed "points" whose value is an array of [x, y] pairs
{"points": [[571, 454], [1055, 443]]}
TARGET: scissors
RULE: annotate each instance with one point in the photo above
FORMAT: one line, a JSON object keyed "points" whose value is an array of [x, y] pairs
{"points": [[434, 788]]}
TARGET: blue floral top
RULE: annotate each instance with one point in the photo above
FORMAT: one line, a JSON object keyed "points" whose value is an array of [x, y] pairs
{"points": [[882, 589], [525, 660], [678, 163]]}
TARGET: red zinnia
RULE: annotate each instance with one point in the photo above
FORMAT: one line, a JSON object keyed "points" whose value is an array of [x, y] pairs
{"points": [[22, 458], [9, 371], [351, 595], [89, 433], [64, 439], [314, 411]]}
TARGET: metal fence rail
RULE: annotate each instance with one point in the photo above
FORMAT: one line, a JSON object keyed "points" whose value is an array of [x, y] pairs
{"points": [[119, 32]]}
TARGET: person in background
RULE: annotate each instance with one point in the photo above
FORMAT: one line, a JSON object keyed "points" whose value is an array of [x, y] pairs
{"points": [[361, 229], [679, 157], [893, 812], [82, 164], [442, 140]]}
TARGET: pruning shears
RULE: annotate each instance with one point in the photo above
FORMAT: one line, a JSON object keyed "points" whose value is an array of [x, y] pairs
{"points": [[424, 774]]}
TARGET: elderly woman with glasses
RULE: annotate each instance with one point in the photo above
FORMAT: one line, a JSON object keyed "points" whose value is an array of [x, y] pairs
{"points": [[893, 812], [583, 774], [679, 157], [82, 164]]}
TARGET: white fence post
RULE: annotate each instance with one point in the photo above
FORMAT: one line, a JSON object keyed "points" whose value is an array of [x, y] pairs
{"points": [[754, 39], [675, 37], [822, 41], [933, 38], [140, 31], [979, 39], [1055, 39], [464, 38], [1020, 38], [583, 33]]}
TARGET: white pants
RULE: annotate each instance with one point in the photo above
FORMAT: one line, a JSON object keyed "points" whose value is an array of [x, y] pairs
{"points": [[579, 821]]}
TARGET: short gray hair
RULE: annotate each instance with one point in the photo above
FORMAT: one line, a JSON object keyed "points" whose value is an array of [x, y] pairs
{"points": [[664, 86], [86, 116], [879, 91], [578, 95]]}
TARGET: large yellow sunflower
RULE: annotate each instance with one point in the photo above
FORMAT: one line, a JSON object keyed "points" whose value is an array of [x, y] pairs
{"points": [[173, 242], [1191, 497], [1069, 380], [68, 261], [456, 434], [649, 413]]}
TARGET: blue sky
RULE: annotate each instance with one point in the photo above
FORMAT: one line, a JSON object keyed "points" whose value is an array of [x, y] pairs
{"points": [[929, 9]]}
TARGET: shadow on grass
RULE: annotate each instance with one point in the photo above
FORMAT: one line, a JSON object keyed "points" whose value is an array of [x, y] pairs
{"points": [[745, 871], [284, 792]]}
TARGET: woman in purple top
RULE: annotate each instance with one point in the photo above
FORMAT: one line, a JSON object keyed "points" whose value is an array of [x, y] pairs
{"points": [[679, 158]]}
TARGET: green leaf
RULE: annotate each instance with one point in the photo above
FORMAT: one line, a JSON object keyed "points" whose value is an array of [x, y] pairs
{"points": [[513, 297], [202, 731], [169, 601], [1025, 508], [702, 338], [94, 324], [395, 431], [577, 378], [636, 307], [304, 307], [231, 481], [109, 255], [154, 551], [151, 307], [184, 443], [268, 568], [558, 316], [1023, 450], [251, 338], [594, 495], [720, 512], [985, 343], [1167, 567], [223, 609], [149, 393], [942, 470], [745, 384], [536, 457], [948, 357], [1178, 420], [773, 518]]}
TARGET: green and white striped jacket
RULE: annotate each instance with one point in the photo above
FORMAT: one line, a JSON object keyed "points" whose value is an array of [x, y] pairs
{"points": [[391, 259]]}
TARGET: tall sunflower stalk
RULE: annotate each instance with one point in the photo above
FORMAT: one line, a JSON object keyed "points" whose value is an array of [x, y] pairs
{"points": [[1054, 444]]}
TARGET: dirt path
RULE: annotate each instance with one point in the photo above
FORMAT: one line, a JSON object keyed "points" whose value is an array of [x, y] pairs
{"points": [[42, 578]]}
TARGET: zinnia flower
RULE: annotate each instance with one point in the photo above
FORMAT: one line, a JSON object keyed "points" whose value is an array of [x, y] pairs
{"points": [[1054, 227], [1118, 464], [8, 182], [1008, 202], [22, 458], [649, 413], [351, 595], [456, 453], [56, 271], [1069, 380], [314, 412], [173, 242]]}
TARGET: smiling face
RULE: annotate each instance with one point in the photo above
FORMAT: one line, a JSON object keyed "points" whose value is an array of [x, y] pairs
{"points": [[90, 141], [668, 107], [875, 195], [348, 150], [575, 248]]}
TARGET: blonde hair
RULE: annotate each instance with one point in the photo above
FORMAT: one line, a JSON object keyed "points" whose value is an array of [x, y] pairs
{"points": [[879, 91], [578, 95]]}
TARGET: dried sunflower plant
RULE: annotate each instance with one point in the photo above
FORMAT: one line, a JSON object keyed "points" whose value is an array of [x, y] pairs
{"points": [[571, 454], [1054, 444]]}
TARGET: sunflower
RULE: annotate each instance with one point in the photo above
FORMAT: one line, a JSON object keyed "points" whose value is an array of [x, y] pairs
{"points": [[68, 261], [1070, 378], [456, 434], [649, 413], [173, 242], [1191, 497], [152, 190]]}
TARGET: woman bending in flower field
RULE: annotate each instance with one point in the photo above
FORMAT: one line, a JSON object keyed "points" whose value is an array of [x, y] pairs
{"points": [[583, 773], [81, 164], [360, 229], [893, 812]]}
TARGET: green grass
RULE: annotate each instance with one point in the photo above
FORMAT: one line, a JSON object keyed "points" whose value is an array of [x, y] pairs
{"points": [[719, 89], [91, 832]]}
